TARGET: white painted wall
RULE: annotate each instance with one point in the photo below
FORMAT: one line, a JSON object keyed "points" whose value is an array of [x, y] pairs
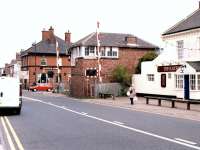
{"points": [[191, 40]]}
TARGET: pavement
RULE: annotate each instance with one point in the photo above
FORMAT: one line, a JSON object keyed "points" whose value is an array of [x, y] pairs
{"points": [[179, 112]]}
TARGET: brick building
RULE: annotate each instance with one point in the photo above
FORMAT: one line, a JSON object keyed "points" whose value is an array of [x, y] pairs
{"points": [[115, 49], [39, 62]]}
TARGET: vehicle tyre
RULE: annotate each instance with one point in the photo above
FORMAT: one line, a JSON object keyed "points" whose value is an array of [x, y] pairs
{"points": [[18, 111], [49, 90]]}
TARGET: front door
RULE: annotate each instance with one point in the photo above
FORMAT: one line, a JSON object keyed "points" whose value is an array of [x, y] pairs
{"points": [[186, 87]]}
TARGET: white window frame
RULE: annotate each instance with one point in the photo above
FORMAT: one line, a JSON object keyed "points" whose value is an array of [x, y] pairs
{"points": [[180, 49], [179, 81], [192, 81], [150, 77], [198, 81]]}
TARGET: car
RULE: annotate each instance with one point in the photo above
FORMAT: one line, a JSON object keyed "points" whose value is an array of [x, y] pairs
{"points": [[41, 87], [10, 94]]}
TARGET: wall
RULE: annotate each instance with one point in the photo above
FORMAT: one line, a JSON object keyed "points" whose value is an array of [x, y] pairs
{"points": [[79, 83], [191, 41]]}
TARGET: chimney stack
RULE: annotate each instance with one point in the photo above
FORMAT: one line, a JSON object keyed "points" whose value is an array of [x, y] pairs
{"points": [[131, 39], [45, 35], [68, 37]]}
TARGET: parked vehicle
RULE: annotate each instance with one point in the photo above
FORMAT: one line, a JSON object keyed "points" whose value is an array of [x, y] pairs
{"points": [[10, 94], [41, 87]]}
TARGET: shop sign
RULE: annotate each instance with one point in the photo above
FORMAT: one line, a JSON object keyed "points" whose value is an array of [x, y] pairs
{"points": [[171, 68]]}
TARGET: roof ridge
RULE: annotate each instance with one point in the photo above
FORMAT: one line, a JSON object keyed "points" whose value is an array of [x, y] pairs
{"points": [[181, 21]]}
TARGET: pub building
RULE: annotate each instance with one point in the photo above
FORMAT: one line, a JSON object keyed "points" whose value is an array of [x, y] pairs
{"points": [[176, 71], [167, 76]]}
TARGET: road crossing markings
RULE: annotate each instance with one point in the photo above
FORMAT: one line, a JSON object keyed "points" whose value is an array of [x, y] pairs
{"points": [[185, 141], [12, 147], [117, 122], [19, 144], [123, 126]]}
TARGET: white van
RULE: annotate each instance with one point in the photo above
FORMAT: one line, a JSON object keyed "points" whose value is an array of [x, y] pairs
{"points": [[10, 94]]}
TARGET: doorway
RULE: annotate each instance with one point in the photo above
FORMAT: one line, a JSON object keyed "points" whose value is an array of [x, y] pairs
{"points": [[186, 87]]}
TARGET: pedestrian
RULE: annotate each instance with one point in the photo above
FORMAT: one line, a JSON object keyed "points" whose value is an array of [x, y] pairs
{"points": [[131, 93]]}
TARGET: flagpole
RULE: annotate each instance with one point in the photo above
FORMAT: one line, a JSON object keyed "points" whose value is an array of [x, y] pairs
{"points": [[98, 51], [57, 61]]}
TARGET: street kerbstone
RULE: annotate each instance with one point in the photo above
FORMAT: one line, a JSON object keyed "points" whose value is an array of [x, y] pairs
{"points": [[179, 112]]}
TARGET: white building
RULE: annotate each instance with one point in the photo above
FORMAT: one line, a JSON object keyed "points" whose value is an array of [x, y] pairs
{"points": [[176, 71]]}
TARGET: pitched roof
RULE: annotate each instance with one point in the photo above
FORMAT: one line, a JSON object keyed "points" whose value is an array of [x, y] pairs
{"points": [[190, 22], [112, 39], [44, 47], [195, 65]]}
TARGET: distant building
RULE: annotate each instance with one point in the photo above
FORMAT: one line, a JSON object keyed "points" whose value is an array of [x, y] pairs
{"points": [[115, 49], [39, 62], [176, 71]]}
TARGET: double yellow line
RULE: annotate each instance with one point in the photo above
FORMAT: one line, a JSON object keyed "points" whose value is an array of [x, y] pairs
{"points": [[10, 133]]}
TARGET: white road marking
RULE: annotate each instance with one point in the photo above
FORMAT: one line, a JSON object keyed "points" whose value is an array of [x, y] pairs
{"points": [[117, 122], [185, 141], [12, 147], [84, 113], [18, 142], [123, 126]]}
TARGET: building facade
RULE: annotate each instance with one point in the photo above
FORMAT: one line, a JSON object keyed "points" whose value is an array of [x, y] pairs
{"points": [[115, 49], [40, 63], [176, 72]]}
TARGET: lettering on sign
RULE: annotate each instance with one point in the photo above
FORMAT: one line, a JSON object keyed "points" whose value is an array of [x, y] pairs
{"points": [[172, 68]]}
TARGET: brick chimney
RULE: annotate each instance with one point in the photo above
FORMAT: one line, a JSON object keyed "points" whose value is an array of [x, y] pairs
{"points": [[49, 35], [131, 40], [45, 35], [68, 37]]}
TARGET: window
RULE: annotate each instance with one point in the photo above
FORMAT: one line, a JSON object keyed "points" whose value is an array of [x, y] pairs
{"points": [[198, 81], [180, 45], [112, 52], [150, 77], [192, 82], [86, 51], [91, 72], [169, 75], [163, 80], [179, 81], [103, 51], [43, 61], [91, 50]]}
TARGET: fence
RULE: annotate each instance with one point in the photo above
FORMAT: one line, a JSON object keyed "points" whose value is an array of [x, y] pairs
{"points": [[108, 88]]}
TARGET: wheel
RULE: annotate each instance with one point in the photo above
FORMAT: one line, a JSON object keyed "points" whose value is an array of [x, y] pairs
{"points": [[35, 90], [17, 111], [48, 90]]}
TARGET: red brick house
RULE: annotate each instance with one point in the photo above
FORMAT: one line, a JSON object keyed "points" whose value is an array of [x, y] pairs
{"points": [[39, 62], [115, 49]]}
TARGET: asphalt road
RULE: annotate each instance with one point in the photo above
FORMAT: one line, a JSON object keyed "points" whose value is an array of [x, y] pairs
{"points": [[50, 122]]}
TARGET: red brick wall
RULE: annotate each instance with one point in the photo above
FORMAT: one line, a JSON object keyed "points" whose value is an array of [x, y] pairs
{"points": [[127, 57], [65, 70]]}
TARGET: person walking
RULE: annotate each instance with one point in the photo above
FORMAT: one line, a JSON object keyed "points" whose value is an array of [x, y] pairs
{"points": [[131, 93]]}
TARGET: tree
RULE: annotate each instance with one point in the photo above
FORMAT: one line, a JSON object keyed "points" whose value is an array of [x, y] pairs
{"points": [[121, 75], [147, 57]]}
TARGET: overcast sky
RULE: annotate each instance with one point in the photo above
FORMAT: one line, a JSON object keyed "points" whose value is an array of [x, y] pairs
{"points": [[23, 20]]}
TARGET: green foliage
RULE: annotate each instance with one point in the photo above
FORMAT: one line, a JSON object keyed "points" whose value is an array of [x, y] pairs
{"points": [[121, 75], [147, 57]]}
